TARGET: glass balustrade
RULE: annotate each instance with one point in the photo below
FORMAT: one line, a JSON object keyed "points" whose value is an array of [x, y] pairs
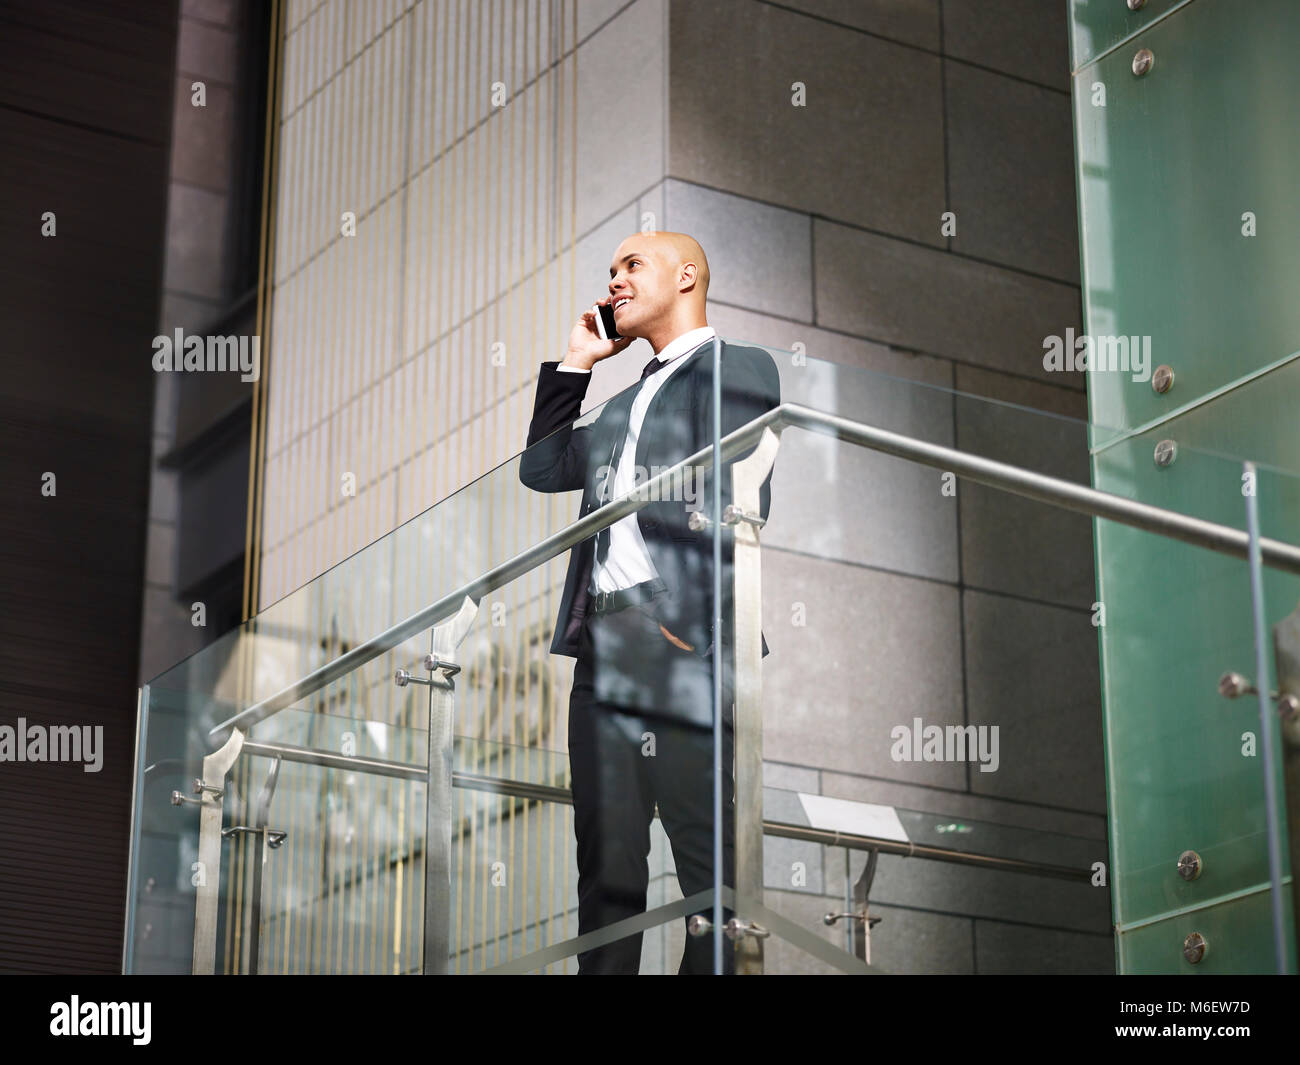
{"points": [[919, 764]]}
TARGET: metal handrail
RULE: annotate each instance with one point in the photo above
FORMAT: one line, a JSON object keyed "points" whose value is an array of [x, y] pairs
{"points": [[1015, 479], [524, 789], [499, 576]]}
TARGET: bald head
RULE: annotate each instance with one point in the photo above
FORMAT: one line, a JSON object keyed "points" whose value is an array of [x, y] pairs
{"points": [[679, 249], [672, 252], [658, 282]]}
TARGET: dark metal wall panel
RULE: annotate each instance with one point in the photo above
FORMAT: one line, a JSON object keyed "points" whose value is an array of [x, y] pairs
{"points": [[85, 111]]}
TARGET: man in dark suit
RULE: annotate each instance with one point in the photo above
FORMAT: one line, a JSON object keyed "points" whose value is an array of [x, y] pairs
{"points": [[637, 608]]}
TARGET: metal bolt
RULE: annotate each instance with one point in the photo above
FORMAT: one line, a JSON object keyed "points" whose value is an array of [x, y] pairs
{"points": [[738, 929], [1136, 5], [1163, 378], [698, 521], [732, 514], [1232, 685], [434, 664], [1166, 452], [1189, 865], [1288, 708], [699, 925], [1194, 947], [1142, 61]]}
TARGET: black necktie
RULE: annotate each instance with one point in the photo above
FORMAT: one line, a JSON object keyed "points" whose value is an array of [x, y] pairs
{"points": [[602, 537]]}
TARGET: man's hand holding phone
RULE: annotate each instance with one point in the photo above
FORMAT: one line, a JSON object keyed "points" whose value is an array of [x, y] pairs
{"points": [[586, 346]]}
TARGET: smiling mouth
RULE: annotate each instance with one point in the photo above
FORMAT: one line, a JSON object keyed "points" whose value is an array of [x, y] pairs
{"points": [[621, 302]]}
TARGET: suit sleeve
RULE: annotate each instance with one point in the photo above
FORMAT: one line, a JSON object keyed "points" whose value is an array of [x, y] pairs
{"points": [[556, 456]]}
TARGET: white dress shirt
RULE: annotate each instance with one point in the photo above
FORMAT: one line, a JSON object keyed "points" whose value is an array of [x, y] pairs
{"points": [[628, 562]]}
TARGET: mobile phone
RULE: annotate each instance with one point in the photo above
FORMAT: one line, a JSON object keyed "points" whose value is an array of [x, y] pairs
{"points": [[605, 326]]}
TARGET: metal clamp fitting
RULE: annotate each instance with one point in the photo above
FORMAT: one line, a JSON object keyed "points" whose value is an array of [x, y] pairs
{"points": [[274, 837], [738, 929], [732, 514], [1232, 685], [832, 918], [200, 789], [434, 664]]}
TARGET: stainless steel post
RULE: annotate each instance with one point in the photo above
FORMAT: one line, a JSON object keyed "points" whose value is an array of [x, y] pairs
{"points": [[446, 638], [133, 856], [747, 477], [1267, 728], [215, 767]]}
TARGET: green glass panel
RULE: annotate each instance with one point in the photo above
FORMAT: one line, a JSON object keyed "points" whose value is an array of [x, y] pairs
{"points": [[1256, 419], [1096, 26], [1166, 171], [1238, 938], [1185, 769]]}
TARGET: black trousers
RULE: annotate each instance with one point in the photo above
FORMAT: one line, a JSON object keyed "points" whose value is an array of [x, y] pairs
{"points": [[638, 737]]}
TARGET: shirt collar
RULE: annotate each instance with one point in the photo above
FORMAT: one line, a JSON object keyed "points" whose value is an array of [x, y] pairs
{"points": [[688, 341]]}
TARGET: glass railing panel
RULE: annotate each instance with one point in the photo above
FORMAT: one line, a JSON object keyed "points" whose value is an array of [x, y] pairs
{"points": [[1186, 775], [348, 894], [189, 708], [900, 597], [993, 623], [511, 717], [934, 873], [510, 870], [1275, 724], [889, 593], [342, 894]]}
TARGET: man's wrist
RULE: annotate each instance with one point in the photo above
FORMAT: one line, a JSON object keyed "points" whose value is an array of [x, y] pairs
{"points": [[573, 364]]}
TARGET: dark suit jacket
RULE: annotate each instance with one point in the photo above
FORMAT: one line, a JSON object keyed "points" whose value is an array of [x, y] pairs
{"points": [[678, 422]]}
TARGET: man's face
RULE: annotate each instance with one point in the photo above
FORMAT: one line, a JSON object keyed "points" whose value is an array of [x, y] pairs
{"points": [[641, 286]]}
